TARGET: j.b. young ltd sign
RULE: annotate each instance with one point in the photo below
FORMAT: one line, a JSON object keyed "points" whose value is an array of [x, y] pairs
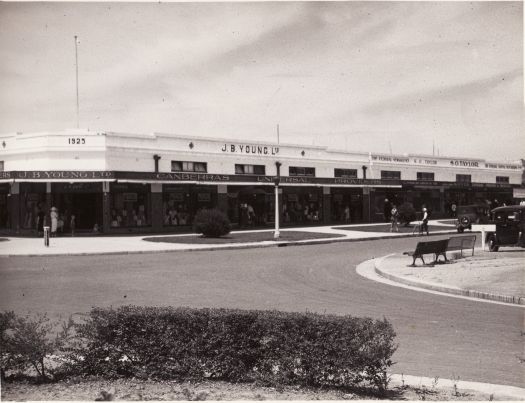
{"points": [[249, 149]]}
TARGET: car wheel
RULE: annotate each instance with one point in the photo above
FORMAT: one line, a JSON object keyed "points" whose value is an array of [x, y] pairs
{"points": [[493, 247]]}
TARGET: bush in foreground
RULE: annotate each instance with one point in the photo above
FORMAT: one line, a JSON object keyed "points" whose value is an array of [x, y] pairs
{"points": [[211, 223], [26, 342], [268, 347]]}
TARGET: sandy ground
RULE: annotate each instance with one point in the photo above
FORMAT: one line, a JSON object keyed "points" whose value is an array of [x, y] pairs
{"points": [[123, 389], [500, 273]]}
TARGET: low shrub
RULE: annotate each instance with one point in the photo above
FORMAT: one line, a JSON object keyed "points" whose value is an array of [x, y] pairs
{"points": [[211, 223], [27, 341], [407, 213], [268, 347]]}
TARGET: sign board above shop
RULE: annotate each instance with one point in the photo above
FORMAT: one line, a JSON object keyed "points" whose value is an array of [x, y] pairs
{"points": [[123, 181], [58, 175], [260, 179], [443, 162]]}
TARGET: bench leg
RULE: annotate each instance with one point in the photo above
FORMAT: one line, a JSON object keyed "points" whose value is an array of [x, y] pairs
{"points": [[423, 260]]}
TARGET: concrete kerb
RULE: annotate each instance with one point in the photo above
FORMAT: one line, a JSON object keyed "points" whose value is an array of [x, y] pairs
{"points": [[448, 290]]}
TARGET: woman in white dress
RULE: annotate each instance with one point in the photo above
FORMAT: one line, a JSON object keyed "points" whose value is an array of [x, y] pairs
{"points": [[54, 221]]}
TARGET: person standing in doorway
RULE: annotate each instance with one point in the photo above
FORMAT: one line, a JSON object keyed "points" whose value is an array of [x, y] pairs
{"points": [[347, 214], [54, 221], [40, 221], [72, 224]]}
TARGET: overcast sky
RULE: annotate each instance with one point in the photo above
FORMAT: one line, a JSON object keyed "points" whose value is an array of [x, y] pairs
{"points": [[363, 76]]}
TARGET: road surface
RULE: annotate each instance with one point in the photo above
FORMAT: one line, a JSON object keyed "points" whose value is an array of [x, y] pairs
{"points": [[437, 335]]}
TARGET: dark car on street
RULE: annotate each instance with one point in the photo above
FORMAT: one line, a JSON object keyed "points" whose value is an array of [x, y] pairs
{"points": [[471, 214], [510, 227]]}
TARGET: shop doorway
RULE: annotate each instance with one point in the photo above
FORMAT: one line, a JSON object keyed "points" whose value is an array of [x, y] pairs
{"points": [[86, 207]]}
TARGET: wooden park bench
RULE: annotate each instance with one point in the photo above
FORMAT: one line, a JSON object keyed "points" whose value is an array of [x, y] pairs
{"points": [[430, 247], [461, 243]]}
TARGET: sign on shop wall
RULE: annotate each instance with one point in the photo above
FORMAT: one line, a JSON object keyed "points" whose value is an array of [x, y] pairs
{"points": [[249, 149], [64, 175], [460, 163]]}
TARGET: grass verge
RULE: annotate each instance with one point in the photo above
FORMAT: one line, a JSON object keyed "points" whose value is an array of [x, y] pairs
{"points": [[243, 237]]}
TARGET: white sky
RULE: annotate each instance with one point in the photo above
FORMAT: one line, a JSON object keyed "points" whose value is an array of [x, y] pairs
{"points": [[363, 76]]}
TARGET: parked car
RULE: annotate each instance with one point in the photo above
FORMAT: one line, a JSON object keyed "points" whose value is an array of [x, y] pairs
{"points": [[510, 227], [471, 214]]}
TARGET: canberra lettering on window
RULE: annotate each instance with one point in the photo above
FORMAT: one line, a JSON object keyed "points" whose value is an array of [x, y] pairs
{"points": [[301, 171], [425, 176], [463, 178], [391, 175], [502, 179], [345, 173], [189, 166], [241, 169]]}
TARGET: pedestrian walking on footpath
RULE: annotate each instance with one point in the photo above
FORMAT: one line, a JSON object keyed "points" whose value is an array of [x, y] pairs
{"points": [[424, 222], [394, 216]]}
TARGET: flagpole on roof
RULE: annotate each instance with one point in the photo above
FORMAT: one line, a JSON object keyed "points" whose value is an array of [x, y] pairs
{"points": [[76, 69]]}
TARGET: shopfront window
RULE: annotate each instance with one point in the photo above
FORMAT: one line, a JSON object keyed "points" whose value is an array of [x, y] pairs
{"points": [[33, 208], [250, 169], [251, 206], [347, 205], [302, 206], [130, 205], [180, 203]]}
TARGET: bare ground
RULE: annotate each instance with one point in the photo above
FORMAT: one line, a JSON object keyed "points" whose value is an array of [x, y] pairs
{"points": [[129, 390]]}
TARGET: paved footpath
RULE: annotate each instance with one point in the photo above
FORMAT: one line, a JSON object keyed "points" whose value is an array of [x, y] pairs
{"points": [[86, 245]]}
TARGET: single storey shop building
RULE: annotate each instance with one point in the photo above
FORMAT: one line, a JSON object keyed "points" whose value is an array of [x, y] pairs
{"points": [[126, 182]]}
